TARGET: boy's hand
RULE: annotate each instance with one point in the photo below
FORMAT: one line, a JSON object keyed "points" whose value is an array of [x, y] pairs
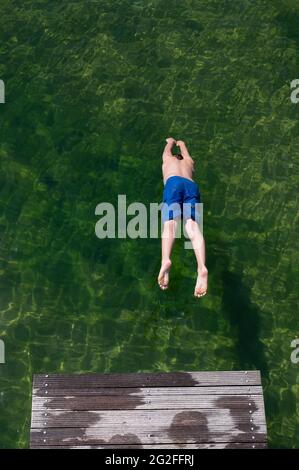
{"points": [[170, 140], [180, 142]]}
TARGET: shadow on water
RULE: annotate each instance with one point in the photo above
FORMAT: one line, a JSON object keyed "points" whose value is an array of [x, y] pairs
{"points": [[244, 318], [287, 19]]}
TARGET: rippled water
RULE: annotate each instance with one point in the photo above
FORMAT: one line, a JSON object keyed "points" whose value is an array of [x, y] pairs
{"points": [[92, 90]]}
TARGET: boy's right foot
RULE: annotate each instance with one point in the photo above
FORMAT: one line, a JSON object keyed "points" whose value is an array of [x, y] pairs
{"points": [[201, 283], [163, 278]]}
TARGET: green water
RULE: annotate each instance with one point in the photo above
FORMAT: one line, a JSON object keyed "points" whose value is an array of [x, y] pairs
{"points": [[92, 90]]}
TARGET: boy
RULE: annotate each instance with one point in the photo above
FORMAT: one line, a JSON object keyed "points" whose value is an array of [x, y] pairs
{"points": [[180, 191]]}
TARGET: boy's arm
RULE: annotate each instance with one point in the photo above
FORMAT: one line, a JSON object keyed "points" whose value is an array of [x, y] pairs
{"points": [[170, 141], [183, 148]]}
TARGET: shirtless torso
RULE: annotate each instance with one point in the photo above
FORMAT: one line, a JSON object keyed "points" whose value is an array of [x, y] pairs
{"points": [[173, 166]]}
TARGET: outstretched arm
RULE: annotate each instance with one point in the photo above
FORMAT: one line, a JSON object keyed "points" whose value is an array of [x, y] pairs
{"points": [[170, 141], [183, 149]]}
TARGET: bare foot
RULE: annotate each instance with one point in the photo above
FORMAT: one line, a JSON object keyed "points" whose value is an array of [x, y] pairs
{"points": [[163, 278], [201, 283]]}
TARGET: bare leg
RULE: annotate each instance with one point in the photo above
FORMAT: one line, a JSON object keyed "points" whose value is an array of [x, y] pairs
{"points": [[198, 244], [168, 237]]}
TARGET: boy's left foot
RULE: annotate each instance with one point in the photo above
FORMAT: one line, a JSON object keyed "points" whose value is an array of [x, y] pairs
{"points": [[163, 278], [201, 283]]}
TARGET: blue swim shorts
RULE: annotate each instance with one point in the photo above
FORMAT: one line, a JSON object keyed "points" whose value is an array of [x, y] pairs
{"points": [[181, 197]]}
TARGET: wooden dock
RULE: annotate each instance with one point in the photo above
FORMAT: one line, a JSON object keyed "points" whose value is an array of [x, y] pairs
{"points": [[185, 410]]}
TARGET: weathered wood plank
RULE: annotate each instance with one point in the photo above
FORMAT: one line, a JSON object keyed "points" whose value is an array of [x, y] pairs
{"points": [[99, 436], [210, 445], [154, 402], [151, 391], [166, 379], [144, 418], [192, 430]]}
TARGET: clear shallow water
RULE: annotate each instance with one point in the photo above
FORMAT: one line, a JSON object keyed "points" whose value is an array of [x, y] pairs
{"points": [[92, 90]]}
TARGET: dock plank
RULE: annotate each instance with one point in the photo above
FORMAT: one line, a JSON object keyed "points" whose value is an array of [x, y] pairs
{"points": [[148, 391], [154, 402], [74, 436], [178, 445], [166, 379], [144, 418]]}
